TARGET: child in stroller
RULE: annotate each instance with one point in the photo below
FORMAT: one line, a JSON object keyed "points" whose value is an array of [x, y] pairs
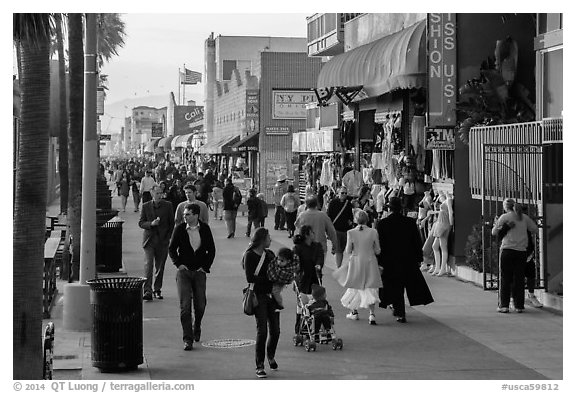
{"points": [[317, 323]]}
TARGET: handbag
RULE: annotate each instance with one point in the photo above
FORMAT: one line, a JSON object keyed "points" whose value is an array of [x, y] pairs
{"points": [[249, 300]]}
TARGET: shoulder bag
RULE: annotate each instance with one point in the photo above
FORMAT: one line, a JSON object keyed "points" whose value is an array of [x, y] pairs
{"points": [[341, 211], [249, 300]]}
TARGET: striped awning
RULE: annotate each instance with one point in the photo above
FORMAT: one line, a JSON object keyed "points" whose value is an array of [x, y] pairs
{"points": [[214, 146], [397, 61], [182, 141], [165, 143]]}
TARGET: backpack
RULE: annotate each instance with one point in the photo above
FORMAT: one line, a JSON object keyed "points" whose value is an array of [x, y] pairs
{"points": [[237, 197]]}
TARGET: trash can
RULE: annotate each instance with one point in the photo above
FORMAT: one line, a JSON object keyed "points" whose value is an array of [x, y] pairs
{"points": [[109, 246], [116, 323]]}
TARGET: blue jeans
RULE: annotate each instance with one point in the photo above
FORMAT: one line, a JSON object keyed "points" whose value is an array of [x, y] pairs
{"points": [[154, 269], [191, 289], [266, 320]]}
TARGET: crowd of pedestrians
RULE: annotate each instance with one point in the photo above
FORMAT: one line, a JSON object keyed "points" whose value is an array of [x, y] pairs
{"points": [[380, 253]]}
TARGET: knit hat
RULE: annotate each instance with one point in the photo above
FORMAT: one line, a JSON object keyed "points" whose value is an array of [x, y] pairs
{"points": [[318, 291]]}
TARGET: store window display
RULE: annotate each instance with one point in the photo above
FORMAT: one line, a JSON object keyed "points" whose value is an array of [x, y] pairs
{"points": [[441, 231]]}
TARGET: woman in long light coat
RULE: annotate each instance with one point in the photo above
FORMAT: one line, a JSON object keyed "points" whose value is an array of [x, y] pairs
{"points": [[361, 275]]}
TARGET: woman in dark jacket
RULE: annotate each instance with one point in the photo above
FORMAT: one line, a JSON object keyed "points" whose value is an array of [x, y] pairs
{"points": [[254, 211], [267, 319], [311, 257], [231, 202]]}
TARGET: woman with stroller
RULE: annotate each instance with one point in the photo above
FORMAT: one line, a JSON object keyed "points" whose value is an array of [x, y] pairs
{"points": [[258, 257], [361, 275], [310, 255]]}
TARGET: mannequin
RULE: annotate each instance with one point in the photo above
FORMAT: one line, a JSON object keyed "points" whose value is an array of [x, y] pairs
{"points": [[441, 231], [424, 206]]}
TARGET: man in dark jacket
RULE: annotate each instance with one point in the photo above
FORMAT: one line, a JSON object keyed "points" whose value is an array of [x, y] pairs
{"points": [[157, 220], [192, 250], [400, 261]]}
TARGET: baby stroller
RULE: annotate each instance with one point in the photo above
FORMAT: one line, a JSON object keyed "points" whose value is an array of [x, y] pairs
{"points": [[306, 336]]}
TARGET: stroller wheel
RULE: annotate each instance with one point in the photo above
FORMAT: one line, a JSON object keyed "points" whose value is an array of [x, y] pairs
{"points": [[307, 345], [339, 343], [313, 346]]}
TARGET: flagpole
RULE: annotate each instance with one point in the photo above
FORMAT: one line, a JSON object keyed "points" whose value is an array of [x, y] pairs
{"points": [[179, 83], [184, 88]]}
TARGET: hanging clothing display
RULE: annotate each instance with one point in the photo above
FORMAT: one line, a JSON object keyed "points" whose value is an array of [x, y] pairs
{"points": [[327, 175], [419, 141], [347, 135], [352, 180], [378, 137], [367, 175], [378, 161]]}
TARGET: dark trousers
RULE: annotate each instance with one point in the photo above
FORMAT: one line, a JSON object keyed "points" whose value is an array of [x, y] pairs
{"points": [[255, 221], [397, 288], [530, 274], [136, 197], [279, 217], [512, 277], [322, 320], [290, 220], [191, 290], [154, 267], [267, 321]]}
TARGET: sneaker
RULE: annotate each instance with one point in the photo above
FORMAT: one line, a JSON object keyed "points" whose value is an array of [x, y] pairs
{"points": [[273, 364], [158, 295], [503, 310], [260, 373], [519, 310], [188, 345], [534, 301], [353, 315], [401, 319], [372, 319], [147, 297]]}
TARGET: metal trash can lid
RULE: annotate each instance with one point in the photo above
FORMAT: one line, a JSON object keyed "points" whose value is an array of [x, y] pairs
{"points": [[116, 283]]}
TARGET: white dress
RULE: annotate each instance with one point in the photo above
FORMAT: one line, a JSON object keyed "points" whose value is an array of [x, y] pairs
{"points": [[360, 275]]}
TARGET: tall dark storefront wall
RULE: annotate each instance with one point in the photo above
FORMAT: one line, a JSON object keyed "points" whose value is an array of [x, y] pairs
{"points": [[476, 40]]}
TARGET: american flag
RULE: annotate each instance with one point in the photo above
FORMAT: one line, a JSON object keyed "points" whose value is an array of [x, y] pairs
{"points": [[189, 77]]}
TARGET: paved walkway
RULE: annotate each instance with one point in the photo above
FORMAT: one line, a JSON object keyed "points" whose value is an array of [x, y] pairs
{"points": [[458, 337]]}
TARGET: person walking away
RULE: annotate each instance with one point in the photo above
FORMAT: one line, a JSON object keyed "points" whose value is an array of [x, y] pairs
{"points": [[280, 188], [135, 185], [190, 194], [340, 212], [218, 200], [310, 256], [192, 251], [255, 263], [320, 222], [400, 262], [146, 186], [281, 272], [361, 275], [290, 203], [232, 200], [513, 254], [157, 220], [263, 208], [254, 211], [176, 193], [124, 189]]}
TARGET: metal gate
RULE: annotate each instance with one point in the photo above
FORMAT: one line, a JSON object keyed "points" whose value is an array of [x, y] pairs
{"points": [[511, 171]]}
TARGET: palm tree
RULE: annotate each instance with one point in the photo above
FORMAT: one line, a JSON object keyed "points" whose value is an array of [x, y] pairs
{"points": [[75, 134], [63, 136], [31, 34]]}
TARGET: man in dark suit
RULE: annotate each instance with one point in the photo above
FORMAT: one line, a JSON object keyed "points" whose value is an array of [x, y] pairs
{"points": [[400, 261], [157, 220], [192, 250]]}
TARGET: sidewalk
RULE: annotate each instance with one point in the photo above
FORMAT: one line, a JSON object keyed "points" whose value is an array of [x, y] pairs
{"points": [[459, 336]]}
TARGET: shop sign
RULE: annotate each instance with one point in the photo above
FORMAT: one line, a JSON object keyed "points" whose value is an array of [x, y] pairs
{"points": [[295, 142], [105, 137], [188, 118], [100, 101], [252, 111], [303, 136], [157, 130], [277, 130], [291, 104], [348, 115], [442, 69], [440, 138]]}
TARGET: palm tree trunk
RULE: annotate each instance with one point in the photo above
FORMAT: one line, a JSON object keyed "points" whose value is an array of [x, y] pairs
{"points": [[29, 207], [75, 135], [63, 137]]}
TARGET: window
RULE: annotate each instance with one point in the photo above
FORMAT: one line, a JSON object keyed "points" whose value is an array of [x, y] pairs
{"points": [[227, 67], [552, 87]]}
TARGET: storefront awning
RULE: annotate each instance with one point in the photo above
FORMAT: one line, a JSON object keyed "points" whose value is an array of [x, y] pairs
{"points": [[151, 146], [215, 146], [182, 141], [248, 143], [166, 143], [397, 61]]}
